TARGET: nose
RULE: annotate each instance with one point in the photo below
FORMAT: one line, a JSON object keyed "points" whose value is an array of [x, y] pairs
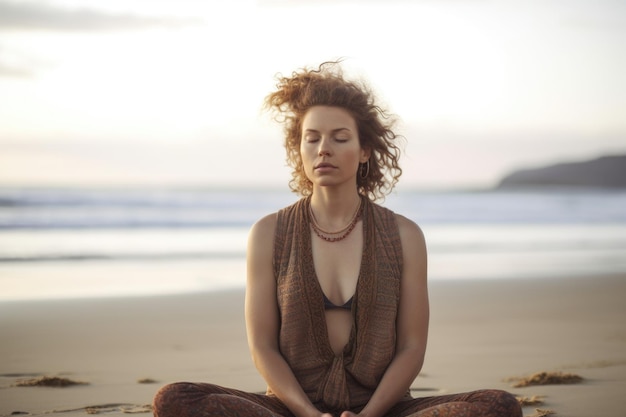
{"points": [[324, 147]]}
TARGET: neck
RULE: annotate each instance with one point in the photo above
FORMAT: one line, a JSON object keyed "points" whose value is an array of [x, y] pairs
{"points": [[334, 209]]}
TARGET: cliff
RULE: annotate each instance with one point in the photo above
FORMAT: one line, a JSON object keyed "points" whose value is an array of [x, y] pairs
{"points": [[604, 172]]}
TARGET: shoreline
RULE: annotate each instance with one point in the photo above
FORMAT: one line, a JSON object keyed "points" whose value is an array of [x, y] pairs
{"points": [[481, 333]]}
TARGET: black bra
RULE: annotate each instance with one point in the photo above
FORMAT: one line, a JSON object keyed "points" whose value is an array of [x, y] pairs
{"points": [[328, 305]]}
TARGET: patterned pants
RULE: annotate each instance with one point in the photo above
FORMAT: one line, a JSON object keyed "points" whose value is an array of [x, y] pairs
{"points": [[203, 400]]}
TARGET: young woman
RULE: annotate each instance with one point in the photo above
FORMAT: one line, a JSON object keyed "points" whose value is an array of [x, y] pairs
{"points": [[336, 299]]}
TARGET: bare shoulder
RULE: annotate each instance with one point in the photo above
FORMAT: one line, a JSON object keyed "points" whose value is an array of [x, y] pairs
{"points": [[411, 234], [261, 236], [264, 226], [415, 257], [260, 251]]}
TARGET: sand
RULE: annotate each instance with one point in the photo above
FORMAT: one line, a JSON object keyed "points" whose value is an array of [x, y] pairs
{"points": [[483, 333]]}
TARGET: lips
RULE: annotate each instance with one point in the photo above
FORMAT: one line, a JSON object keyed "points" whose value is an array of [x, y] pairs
{"points": [[324, 165]]}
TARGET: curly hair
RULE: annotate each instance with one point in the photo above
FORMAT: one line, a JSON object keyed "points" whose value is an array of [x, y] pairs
{"points": [[326, 86]]}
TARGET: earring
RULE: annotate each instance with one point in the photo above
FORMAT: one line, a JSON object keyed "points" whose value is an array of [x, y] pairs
{"points": [[364, 169]]}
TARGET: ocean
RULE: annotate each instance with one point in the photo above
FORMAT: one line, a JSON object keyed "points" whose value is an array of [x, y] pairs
{"points": [[71, 242]]}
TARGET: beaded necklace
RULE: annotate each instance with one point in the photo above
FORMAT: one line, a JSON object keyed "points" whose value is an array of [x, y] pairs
{"points": [[343, 233]]}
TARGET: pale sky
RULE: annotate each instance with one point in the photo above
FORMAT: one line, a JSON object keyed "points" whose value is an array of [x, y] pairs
{"points": [[126, 92]]}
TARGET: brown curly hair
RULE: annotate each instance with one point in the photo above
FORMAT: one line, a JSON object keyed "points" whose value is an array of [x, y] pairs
{"points": [[326, 86]]}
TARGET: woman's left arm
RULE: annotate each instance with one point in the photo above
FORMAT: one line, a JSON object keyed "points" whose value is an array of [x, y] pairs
{"points": [[412, 323]]}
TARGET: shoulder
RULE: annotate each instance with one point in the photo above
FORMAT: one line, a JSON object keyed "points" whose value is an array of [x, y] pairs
{"points": [[266, 226], [414, 253], [262, 232], [260, 248], [411, 234], [276, 225], [406, 227]]}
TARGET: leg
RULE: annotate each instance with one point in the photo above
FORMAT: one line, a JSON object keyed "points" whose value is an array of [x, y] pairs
{"points": [[185, 399], [483, 403]]}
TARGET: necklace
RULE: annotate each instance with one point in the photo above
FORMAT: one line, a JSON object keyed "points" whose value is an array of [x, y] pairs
{"points": [[340, 234]]}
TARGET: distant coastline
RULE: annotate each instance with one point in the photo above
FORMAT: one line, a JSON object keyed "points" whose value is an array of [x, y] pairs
{"points": [[602, 172]]}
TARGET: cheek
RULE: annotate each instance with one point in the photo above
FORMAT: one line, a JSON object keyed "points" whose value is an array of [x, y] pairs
{"points": [[358, 153], [307, 157], [305, 152]]}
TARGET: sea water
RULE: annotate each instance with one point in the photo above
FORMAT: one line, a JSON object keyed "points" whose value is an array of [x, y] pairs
{"points": [[59, 243]]}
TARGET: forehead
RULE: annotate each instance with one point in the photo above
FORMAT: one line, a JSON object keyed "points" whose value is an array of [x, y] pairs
{"points": [[328, 118]]}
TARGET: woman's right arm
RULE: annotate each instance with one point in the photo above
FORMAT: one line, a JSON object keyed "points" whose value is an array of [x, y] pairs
{"points": [[263, 321]]}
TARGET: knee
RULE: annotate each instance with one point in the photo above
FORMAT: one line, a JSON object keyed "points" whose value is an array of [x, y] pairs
{"points": [[167, 400], [507, 403]]}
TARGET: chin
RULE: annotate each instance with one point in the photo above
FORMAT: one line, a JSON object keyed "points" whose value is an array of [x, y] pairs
{"points": [[326, 182]]}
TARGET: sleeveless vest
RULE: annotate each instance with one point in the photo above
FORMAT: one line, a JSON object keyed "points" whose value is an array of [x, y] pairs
{"points": [[346, 381]]}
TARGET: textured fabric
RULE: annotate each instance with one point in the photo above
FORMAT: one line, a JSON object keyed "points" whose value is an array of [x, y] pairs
{"points": [[348, 380], [207, 400]]}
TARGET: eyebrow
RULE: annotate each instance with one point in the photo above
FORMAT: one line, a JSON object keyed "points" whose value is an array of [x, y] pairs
{"points": [[332, 131]]}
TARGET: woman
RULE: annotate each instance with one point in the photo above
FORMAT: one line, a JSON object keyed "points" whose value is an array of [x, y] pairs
{"points": [[336, 299]]}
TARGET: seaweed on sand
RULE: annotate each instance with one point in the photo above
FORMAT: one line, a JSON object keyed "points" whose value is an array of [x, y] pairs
{"points": [[48, 381], [541, 413], [534, 400], [546, 378]]}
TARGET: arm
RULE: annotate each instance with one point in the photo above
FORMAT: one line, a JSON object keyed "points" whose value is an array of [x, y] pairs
{"points": [[412, 324], [262, 321]]}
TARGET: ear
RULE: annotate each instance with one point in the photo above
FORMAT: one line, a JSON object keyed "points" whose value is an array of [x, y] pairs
{"points": [[365, 155]]}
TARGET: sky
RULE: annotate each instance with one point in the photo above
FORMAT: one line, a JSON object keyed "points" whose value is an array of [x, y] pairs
{"points": [[168, 93]]}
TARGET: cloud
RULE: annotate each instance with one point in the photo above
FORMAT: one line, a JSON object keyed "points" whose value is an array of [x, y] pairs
{"points": [[14, 64], [292, 3], [27, 15], [14, 72]]}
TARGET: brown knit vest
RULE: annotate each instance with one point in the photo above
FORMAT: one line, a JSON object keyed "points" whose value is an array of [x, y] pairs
{"points": [[349, 380]]}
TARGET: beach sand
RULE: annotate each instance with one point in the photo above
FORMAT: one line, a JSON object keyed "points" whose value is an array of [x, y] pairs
{"points": [[482, 332]]}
